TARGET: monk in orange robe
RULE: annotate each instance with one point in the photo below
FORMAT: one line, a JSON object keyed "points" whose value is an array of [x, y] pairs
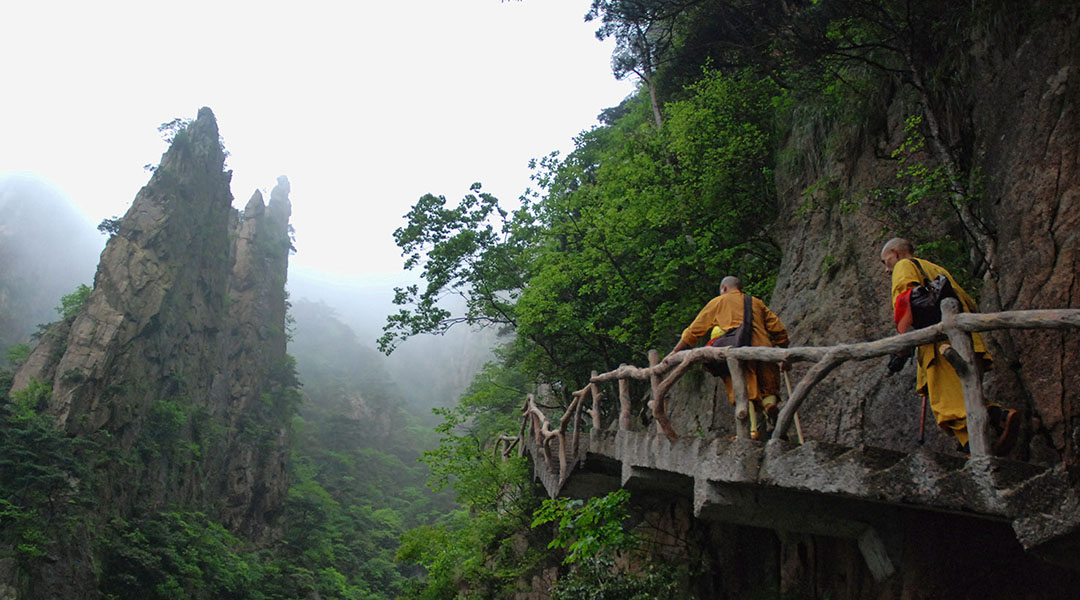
{"points": [[936, 376], [724, 313]]}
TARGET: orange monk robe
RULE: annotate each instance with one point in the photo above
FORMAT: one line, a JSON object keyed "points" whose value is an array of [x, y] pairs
{"points": [[936, 376], [726, 311]]}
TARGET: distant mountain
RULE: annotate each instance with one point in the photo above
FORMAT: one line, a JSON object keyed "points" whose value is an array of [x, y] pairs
{"points": [[47, 248], [427, 370], [341, 375]]}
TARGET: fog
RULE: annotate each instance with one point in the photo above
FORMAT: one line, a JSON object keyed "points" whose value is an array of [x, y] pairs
{"points": [[47, 248], [365, 107], [429, 370]]}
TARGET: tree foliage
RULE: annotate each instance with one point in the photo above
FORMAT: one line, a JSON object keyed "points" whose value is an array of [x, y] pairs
{"points": [[587, 529], [473, 250], [71, 304], [109, 226], [483, 550], [44, 477], [624, 239], [177, 554]]}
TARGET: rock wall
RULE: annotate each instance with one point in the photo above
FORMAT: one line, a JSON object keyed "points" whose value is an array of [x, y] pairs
{"points": [[1011, 113], [939, 556], [179, 352], [1029, 93]]}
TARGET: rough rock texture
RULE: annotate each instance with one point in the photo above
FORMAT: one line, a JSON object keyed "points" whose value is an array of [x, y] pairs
{"points": [[257, 365], [1012, 115], [187, 317], [1018, 114], [1032, 87], [841, 522], [833, 289]]}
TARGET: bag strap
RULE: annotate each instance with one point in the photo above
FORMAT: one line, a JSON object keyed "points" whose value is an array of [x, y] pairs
{"points": [[925, 277], [748, 311]]}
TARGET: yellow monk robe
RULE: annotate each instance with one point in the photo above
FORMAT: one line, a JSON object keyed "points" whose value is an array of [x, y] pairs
{"points": [[726, 312], [936, 376]]}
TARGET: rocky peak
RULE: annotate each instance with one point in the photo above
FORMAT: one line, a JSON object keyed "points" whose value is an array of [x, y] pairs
{"points": [[195, 149], [187, 315], [255, 206]]}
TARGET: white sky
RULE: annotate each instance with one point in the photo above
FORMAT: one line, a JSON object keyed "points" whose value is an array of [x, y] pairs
{"points": [[365, 106]]}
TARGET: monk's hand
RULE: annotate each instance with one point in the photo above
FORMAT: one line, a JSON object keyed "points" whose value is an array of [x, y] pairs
{"points": [[897, 361]]}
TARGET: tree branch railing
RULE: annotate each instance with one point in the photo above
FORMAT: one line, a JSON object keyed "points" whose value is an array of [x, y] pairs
{"points": [[663, 374], [544, 435]]}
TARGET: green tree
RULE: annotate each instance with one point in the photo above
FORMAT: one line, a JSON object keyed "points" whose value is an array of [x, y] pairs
{"points": [[177, 554], [599, 545], [644, 33], [71, 304], [44, 476], [588, 529], [623, 241], [17, 354], [473, 251]]}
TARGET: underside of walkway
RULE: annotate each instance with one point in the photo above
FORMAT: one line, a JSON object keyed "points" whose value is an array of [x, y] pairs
{"points": [[824, 489]]}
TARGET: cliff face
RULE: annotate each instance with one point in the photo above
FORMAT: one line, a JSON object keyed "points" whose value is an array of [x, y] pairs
{"points": [[1011, 116], [179, 352], [1031, 92]]}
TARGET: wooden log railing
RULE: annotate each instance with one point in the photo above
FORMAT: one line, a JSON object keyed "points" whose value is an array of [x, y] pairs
{"points": [[954, 326], [543, 433]]}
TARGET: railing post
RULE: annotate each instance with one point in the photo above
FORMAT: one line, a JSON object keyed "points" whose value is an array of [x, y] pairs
{"points": [[536, 424], [970, 378], [563, 471], [738, 386], [624, 403], [658, 404], [525, 420], [823, 367], [596, 395], [654, 383], [654, 379], [577, 426]]}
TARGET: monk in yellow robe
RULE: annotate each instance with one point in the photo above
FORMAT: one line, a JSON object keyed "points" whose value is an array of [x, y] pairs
{"points": [[724, 313], [936, 377]]}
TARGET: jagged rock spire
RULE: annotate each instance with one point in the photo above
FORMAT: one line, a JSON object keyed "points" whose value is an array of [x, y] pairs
{"points": [[188, 308]]}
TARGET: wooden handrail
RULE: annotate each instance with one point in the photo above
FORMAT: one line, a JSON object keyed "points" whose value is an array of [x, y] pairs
{"points": [[504, 445], [542, 431], [827, 358], [955, 326]]}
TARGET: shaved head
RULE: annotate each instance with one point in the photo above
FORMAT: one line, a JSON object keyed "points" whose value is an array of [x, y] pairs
{"points": [[729, 283], [900, 245], [894, 251]]}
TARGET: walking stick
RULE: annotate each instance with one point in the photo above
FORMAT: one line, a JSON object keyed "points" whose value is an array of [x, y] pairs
{"points": [[922, 421], [798, 425]]}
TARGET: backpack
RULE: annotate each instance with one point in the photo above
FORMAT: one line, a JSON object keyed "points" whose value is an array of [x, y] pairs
{"points": [[926, 298], [736, 338]]}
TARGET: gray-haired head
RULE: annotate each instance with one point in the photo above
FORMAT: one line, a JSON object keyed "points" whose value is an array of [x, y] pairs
{"points": [[894, 251], [730, 283], [900, 245]]}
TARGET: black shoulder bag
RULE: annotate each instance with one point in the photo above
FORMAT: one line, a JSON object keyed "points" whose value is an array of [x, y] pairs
{"points": [[926, 298], [736, 338]]}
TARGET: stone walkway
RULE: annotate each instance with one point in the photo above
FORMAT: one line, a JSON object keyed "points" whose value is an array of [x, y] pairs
{"points": [[826, 489]]}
